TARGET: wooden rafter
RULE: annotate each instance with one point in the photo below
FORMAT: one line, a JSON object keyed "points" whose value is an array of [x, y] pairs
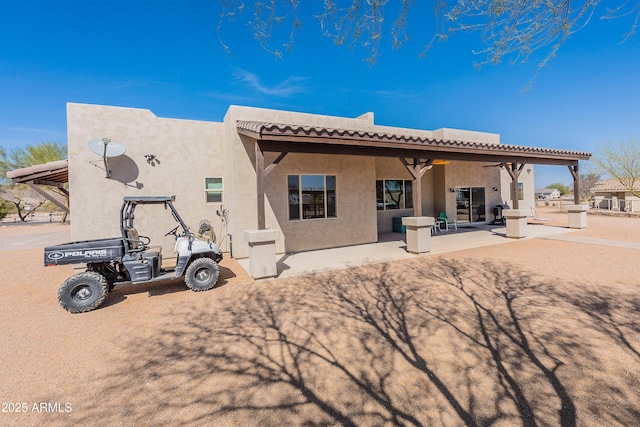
{"points": [[417, 171]]}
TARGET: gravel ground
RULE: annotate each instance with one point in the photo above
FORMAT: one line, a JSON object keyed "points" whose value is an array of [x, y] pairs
{"points": [[531, 332]]}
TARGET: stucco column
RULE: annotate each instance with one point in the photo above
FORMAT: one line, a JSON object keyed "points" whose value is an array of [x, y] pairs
{"points": [[418, 233], [262, 252], [577, 216], [516, 222]]}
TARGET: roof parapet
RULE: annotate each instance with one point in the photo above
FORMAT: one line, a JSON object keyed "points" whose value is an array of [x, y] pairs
{"points": [[367, 117]]}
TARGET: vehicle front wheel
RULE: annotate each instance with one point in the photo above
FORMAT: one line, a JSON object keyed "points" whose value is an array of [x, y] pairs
{"points": [[83, 292], [202, 274]]}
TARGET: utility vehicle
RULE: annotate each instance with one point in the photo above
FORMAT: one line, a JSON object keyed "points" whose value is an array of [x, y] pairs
{"points": [[130, 259]]}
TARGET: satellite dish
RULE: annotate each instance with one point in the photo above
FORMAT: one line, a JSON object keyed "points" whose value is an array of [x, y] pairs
{"points": [[106, 148]]}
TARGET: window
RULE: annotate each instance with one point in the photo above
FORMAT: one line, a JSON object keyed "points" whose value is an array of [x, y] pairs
{"points": [[394, 194], [520, 191], [213, 190], [312, 196]]}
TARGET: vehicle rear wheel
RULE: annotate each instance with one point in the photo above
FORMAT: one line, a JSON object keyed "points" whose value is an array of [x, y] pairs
{"points": [[202, 274], [83, 292]]}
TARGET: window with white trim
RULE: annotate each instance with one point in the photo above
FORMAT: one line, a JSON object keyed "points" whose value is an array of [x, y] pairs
{"points": [[312, 196], [213, 190]]}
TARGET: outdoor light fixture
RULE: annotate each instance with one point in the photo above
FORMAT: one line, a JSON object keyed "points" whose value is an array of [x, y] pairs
{"points": [[528, 170], [495, 188], [152, 159], [452, 190]]}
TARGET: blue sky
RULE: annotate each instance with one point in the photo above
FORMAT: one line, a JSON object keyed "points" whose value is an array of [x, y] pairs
{"points": [[166, 57]]}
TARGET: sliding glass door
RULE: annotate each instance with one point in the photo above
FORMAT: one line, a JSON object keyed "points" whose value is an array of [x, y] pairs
{"points": [[470, 204]]}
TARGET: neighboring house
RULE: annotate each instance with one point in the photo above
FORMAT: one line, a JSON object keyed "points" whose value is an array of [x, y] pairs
{"points": [[548, 193], [610, 194], [320, 181]]}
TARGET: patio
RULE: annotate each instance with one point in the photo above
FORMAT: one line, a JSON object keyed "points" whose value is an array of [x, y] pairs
{"points": [[392, 247]]}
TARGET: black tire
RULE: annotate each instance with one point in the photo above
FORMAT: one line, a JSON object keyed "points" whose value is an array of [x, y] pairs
{"points": [[83, 292], [202, 274]]}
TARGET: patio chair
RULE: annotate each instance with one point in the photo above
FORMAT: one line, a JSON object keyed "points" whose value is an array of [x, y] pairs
{"points": [[442, 218]]}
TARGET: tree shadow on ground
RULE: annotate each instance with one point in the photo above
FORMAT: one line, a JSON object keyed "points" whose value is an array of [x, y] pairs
{"points": [[426, 342], [120, 292]]}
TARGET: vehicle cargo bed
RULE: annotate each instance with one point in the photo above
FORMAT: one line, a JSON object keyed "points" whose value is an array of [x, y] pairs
{"points": [[83, 252]]}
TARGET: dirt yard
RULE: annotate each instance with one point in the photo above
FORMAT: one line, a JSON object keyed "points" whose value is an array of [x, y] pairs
{"points": [[531, 332]]}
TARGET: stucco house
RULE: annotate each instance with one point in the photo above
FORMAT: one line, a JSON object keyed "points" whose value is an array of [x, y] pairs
{"points": [[548, 193], [319, 181], [610, 194]]}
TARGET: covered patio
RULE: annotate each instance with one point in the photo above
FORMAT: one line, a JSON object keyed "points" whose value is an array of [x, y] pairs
{"points": [[417, 153]]}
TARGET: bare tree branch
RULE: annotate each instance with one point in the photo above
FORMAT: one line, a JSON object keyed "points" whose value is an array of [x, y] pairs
{"points": [[512, 29], [621, 160]]}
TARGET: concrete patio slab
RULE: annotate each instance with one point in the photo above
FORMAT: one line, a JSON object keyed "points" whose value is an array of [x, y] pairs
{"points": [[392, 247]]}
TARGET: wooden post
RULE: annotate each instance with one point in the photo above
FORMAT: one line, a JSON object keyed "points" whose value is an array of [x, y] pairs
{"points": [[417, 171], [417, 189], [576, 183], [514, 173], [514, 187], [260, 178]]}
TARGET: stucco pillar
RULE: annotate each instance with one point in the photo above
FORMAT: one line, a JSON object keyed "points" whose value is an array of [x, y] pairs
{"points": [[418, 233], [516, 222], [262, 252], [577, 216]]}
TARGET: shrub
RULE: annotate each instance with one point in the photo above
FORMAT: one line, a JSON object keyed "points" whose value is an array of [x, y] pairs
{"points": [[4, 209]]}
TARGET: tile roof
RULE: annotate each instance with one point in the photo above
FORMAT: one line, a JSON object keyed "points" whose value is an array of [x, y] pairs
{"points": [[613, 185], [265, 130]]}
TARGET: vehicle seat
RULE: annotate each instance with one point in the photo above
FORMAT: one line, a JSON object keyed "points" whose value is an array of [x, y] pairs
{"points": [[137, 244]]}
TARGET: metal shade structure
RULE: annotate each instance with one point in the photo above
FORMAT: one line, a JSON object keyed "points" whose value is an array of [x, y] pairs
{"points": [[52, 174]]}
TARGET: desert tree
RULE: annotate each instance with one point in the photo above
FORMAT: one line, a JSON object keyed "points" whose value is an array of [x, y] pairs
{"points": [[22, 203], [587, 182], [22, 157], [512, 29], [563, 189], [620, 160], [30, 155]]}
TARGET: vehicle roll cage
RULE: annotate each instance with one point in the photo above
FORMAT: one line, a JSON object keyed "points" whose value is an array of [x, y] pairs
{"points": [[129, 206]]}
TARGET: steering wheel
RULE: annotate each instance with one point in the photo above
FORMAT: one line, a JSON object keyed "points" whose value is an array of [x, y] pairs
{"points": [[174, 232]]}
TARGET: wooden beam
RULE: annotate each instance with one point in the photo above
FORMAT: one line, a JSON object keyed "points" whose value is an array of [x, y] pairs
{"points": [[417, 171], [402, 152], [49, 183], [409, 167], [427, 165], [47, 196], [60, 175], [273, 164]]}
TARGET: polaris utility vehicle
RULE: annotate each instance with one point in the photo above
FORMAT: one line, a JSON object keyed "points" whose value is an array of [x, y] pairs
{"points": [[130, 259]]}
